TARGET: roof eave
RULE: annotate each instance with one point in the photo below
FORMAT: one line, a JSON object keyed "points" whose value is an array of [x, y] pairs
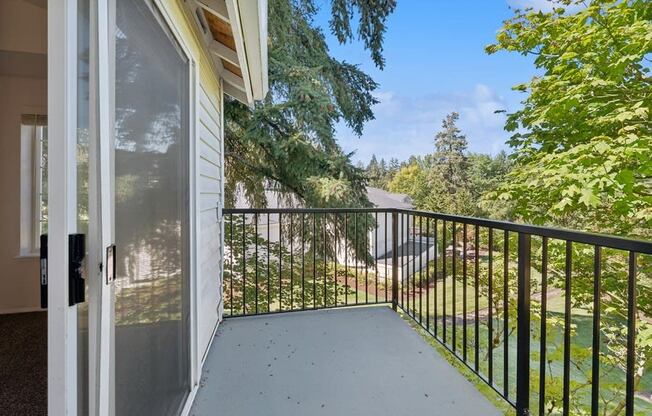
{"points": [[249, 23], [235, 34], [254, 29]]}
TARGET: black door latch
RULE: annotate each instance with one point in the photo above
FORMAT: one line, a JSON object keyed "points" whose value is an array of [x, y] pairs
{"points": [[76, 254], [44, 271]]}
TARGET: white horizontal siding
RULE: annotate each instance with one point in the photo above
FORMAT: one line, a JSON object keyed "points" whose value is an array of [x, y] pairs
{"points": [[209, 182]]}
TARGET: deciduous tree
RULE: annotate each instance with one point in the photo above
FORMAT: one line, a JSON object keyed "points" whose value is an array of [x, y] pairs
{"points": [[582, 141]]}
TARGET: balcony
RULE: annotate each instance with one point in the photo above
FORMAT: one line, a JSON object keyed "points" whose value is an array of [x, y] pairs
{"points": [[515, 308]]}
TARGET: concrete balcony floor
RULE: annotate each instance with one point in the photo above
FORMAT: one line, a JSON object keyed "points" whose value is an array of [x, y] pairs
{"points": [[357, 361]]}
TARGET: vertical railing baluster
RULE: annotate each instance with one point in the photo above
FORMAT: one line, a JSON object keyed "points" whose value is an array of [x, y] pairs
{"points": [[269, 289], [435, 318], [476, 299], [543, 330], [366, 252], [325, 225], [346, 258], [454, 288], [314, 260], [356, 252], [409, 229], [595, 349], [405, 270], [303, 261], [490, 322], [567, 326], [244, 265], [403, 303], [523, 334], [464, 283], [256, 262], [428, 274], [291, 233], [405, 263], [376, 254], [443, 280], [231, 249], [280, 262], [414, 266], [631, 335], [506, 314], [394, 258], [385, 238], [337, 219], [420, 268]]}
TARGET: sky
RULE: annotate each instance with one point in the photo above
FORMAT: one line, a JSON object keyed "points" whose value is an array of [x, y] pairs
{"points": [[436, 64]]}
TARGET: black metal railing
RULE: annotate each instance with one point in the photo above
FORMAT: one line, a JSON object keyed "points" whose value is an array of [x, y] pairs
{"points": [[510, 301], [281, 260]]}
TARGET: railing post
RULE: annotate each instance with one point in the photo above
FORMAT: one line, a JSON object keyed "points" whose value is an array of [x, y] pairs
{"points": [[523, 336], [394, 260]]}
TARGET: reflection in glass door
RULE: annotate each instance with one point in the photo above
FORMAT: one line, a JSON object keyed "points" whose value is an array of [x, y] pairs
{"points": [[151, 214]]}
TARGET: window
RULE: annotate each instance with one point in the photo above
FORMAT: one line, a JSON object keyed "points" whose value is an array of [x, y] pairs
{"points": [[34, 182]]}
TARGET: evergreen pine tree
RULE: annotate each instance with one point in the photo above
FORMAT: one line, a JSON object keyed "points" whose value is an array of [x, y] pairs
{"points": [[287, 142], [447, 175], [450, 159]]}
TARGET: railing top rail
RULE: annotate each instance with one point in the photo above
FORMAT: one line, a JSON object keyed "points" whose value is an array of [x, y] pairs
{"points": [[302, 210], [603, 240]]}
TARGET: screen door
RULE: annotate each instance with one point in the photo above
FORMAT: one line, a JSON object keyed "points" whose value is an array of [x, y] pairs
{"points": [[151, 214]]}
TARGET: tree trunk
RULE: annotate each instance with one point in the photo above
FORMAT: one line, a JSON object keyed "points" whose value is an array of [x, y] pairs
{"points": [[621, 404]]}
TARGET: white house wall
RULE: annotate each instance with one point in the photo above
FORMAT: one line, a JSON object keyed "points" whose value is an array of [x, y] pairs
{"points": [[210, 177]]}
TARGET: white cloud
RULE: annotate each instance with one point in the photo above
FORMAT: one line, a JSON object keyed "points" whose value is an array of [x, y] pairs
{"points": [[543, 5], [407, 125]]}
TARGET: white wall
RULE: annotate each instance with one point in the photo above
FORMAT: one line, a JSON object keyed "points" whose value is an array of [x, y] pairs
{"points": [[23, 26], [19, 279], [23, 90]]}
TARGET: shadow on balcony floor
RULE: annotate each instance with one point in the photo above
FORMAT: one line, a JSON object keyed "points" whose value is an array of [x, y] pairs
{"points": [[362, 361]]}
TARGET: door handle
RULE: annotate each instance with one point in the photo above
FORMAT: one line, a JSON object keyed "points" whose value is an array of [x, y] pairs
{"points": [[43, 272], [76, 254], [110, 264]]}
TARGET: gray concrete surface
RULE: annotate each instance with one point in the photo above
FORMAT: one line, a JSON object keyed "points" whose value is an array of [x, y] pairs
{"points": [[362, 361]]}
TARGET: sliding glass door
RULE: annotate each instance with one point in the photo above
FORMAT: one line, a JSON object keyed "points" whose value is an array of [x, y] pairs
{"points": [[151, 194]]}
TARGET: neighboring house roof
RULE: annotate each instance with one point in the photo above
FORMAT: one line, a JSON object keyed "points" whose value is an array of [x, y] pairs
{"points": [[383, 199], [235, 33]]}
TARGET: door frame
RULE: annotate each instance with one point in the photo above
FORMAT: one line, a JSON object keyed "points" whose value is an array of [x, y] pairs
{"points": [[62, 131], [62, 208], [101, 290]]}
